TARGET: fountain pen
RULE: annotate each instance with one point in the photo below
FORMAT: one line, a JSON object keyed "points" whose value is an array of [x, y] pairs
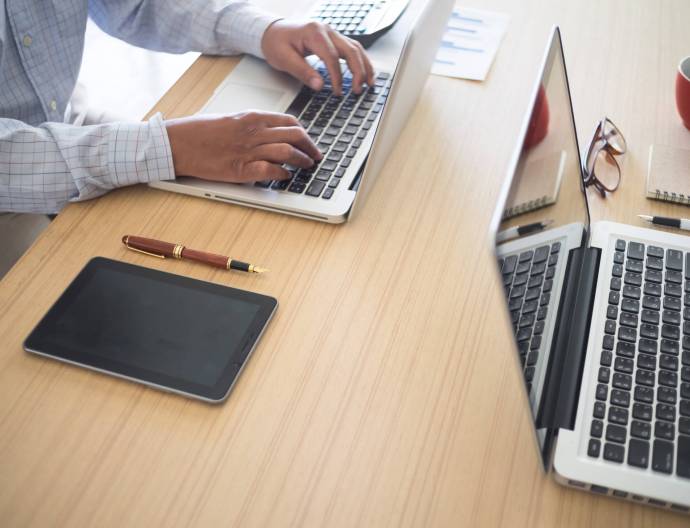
{"points": [[160, 249]]}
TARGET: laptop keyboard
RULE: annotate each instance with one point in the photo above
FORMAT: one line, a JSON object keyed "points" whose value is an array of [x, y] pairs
{"points": [[528, 281], [338, 125], [642, 409]]}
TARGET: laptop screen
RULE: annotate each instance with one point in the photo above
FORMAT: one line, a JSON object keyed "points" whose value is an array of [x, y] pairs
{"points": [[542, 216]]}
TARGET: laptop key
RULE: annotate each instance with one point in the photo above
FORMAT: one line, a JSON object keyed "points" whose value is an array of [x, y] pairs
{"points": [[613, 452], [634, 265], [655, 251], [594, 448], [322, 176], [669, 317], [638, 453], [615, 433], [644, 394], [622, 381], [641, 430], [647, 362], [668, 395], [606, 358], [684, 425], [597, 428], [642, 411], [327, 194], [620, 398], [618, 415], [683, 462], [664, 430], [653, 276], [636, 250], [650, 317], [280, 185], [674, 259], [644, 377], [629, 305], [666, 412], [297, 187], [625, 349], [655, 263], [662, 456], [647, 346], [265, 184], [315, 188]]}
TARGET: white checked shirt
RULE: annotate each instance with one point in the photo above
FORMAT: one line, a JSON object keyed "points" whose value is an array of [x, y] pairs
{"points": [[45, 163]]}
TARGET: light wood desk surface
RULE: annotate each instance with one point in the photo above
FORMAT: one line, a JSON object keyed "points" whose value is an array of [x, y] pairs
{"points": [[383, 393]]}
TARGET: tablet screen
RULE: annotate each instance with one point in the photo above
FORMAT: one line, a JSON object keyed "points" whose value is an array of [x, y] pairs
{"points": [[183, 334]]}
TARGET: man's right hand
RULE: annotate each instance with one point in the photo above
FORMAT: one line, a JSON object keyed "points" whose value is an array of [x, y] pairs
{"points": [[239, 148]]}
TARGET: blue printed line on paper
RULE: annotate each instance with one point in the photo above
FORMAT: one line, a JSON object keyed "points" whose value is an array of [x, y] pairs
{"points": [[464, 30], [468, 19], [450, 45]]}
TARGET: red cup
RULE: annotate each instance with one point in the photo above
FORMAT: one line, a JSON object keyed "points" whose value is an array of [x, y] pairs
{"points": [[539, 122], [683, 91]]}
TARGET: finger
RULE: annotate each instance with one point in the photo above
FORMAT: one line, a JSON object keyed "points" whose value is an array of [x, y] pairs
{"points": [[347, 49], [296, 65], [368, 66], [323, 47], [272, 119], [295, 136], [262, 171], [282, 153]]}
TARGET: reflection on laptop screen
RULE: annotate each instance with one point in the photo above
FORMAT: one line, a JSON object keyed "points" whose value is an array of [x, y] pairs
{"points": [[545, 215]]}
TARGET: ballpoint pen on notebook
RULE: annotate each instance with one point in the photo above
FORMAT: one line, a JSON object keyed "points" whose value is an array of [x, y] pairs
{"points": [[518, 231], [160, 249]]}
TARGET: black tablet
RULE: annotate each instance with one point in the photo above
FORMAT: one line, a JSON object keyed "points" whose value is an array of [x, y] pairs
{"points": [[164, 330]]}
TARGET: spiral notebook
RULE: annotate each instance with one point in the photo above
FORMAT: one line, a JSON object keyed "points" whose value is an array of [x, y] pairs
{"points": [[668, 174], [537, 186]]}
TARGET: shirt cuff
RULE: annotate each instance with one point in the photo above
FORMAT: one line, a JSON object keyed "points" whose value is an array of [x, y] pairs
{"points": [[140, 152], [245, 29]]}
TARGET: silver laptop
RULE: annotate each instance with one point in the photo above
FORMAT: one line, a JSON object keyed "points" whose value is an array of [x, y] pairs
{"points": [[355, 133], [600, 314]]}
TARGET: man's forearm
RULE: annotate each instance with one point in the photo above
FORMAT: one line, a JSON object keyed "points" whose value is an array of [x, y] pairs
{"points": [[42, 168], [178, 26]]}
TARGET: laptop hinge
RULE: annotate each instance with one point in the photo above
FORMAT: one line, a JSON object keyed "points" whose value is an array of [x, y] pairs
{"points": [[566, 361]]}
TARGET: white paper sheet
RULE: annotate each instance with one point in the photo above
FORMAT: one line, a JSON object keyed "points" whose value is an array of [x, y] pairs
{"points": [[469, 43]]}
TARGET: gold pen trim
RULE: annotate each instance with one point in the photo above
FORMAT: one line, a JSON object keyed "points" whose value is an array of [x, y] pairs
{"points": [[142, 251], [177, 251]]}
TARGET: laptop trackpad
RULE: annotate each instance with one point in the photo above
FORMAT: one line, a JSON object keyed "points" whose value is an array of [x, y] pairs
{"points": [[252, 85]]}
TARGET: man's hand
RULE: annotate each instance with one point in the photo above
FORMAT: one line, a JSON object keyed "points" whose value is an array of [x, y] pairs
{"points": [[285, 44], [239, 148]]}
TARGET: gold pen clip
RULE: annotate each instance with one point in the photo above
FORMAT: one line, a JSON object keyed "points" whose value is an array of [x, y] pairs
{"points": [[144, 252]]}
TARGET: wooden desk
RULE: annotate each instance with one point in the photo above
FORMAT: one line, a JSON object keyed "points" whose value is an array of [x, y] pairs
{"points": [[383, 393]]}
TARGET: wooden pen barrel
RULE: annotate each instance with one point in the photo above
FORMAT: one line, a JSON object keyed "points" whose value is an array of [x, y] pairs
{"points": [[219, 261], [158, 247]]}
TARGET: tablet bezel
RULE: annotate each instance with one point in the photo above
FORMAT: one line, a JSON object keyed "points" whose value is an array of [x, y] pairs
{"points": [[35, 343]]}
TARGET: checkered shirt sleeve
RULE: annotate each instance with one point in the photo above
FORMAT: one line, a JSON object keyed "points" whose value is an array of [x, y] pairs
{"points": [[45, 163]]}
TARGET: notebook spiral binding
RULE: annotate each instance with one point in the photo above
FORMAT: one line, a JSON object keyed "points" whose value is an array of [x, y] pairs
{"points": [[666, 196], [524, 207]]}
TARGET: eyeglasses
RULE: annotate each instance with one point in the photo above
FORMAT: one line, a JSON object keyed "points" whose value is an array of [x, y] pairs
{"points": [[601, 168]]}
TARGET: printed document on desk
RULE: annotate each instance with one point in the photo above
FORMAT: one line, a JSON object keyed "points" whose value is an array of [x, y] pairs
{"points": [[470, 43]]}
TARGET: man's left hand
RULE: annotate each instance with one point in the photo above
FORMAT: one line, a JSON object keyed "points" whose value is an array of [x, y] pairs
{"points": [[285, 44]]}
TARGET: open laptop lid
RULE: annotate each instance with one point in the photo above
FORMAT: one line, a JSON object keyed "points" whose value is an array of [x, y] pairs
{"points": [[544, 190], [410, 76]]}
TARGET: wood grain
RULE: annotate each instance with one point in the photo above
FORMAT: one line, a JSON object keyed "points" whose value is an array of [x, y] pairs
{"points": [[383, 392]]}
